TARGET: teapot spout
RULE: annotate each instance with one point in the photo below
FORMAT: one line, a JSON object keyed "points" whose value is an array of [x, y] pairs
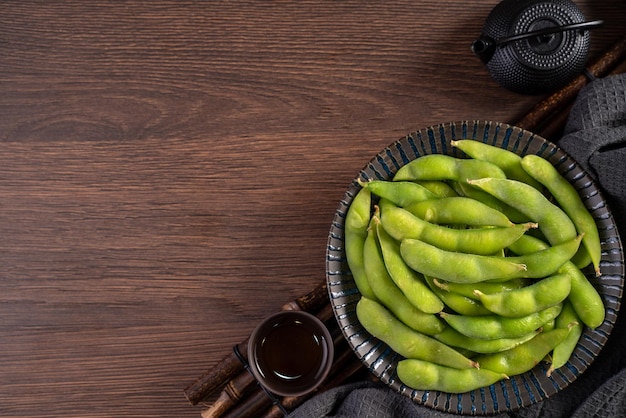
{"points": [[484, 47]]}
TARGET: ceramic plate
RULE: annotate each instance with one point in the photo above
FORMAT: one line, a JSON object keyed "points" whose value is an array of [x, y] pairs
{"points": [[518, 391]]}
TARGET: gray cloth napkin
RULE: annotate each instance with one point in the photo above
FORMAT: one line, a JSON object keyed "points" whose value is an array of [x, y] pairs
{"points": [[595, 136]]}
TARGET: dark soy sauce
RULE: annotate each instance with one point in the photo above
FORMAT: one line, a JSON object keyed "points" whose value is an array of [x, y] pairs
{"points": [[291, 353]]}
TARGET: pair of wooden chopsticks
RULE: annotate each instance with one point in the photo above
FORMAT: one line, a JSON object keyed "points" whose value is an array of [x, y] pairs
{"points": [[240, 395]]}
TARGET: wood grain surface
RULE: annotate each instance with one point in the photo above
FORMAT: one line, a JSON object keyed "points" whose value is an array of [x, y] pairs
{"points": [[169, 171]]}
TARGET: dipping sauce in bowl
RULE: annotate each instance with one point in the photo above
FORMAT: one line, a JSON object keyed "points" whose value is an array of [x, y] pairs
{"points": [[290, 353]]}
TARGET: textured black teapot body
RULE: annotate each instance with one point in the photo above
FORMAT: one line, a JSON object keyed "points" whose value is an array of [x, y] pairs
{"points": [[534, 47]]}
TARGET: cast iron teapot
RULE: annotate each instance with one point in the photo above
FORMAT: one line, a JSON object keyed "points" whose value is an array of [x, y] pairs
{"points": [[534, 46]]}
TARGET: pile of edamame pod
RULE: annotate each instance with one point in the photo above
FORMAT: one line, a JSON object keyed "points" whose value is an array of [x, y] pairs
{"points": [[470, 268]]}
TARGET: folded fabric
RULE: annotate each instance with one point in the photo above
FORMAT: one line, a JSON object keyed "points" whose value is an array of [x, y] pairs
{"points": [[363, 399], [595, 136]]}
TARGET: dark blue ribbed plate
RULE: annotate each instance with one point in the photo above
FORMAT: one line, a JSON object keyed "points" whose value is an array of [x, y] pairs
{"points": [[519, 391]]}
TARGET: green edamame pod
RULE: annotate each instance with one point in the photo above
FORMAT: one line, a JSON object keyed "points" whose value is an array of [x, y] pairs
{"points": [[536, 297], [582, 259], [508, 161], [467, 289], [466, 190], [472, 268], [389, 294], [402, 224], [525, 356], [446, 167], [438, 188], [423, 375], [546, 262], [553, 222], [356, 224], [496, 326], [457, 267], [549, 326], [528, 244], [458, 303], [455, 339], [411, 283], [458, 210], [379, 322], [569, 200], [584, 297], [568, 319], [400, 193]]}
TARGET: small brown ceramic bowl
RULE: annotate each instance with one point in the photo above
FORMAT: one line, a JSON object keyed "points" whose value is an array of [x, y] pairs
{"points": [[290, 353]]}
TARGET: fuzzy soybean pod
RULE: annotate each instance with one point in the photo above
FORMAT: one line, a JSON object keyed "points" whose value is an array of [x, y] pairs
{"points": [[458, 303], [546, 262], [549, 326], [492, 327], [381, 323], [525, 356], [457, 267], [389, 294], [472, 268], [530, 299], [555, 224], [508, 161], [355, 232], [466, 190], [410, 282], [584, 297], [402, 224], [423, 375], [568, 319], [446, 167], [569, 200], [438, 187], [467, 289], [454, 338], [400, 193], [458, 210]]}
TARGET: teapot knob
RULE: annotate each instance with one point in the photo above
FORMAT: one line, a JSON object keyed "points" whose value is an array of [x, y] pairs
{"points": [[534, 46]]}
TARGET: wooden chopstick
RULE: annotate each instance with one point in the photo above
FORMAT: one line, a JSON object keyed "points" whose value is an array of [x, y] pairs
{"points": [[234, 391]]}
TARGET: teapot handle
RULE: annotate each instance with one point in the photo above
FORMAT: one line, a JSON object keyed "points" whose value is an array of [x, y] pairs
{"points": [[550, 31], [485, 46]]}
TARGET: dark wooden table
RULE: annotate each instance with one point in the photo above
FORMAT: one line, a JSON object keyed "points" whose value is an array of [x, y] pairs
{"points": [[169, 171]]}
